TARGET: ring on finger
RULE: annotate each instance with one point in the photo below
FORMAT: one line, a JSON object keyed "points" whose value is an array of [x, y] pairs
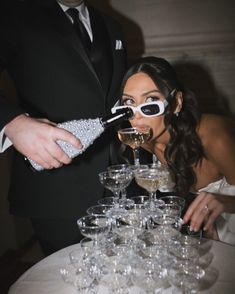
{"points": [[206, 208]]}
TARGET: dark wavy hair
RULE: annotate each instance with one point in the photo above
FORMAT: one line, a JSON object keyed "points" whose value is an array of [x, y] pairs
{"points": [[184, 148]]}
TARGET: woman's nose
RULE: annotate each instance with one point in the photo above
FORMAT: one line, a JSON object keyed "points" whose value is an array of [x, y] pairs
{"points": [[137, 115]]}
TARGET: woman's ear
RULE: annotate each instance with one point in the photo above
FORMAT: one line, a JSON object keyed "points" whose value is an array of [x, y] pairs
{"points": [[178, 102]]}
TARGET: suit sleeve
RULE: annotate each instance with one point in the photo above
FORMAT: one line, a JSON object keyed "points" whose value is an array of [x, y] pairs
{"points": [[8, 49]]}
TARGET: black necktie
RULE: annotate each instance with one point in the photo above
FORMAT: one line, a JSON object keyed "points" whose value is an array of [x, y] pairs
{"points": [[80, 29]]}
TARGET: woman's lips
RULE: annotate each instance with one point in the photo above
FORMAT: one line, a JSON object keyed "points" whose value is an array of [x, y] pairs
{"points": [[139, 126]]}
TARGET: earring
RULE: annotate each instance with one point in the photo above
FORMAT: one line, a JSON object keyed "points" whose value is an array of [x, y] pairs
{"points": [[177, 114]]}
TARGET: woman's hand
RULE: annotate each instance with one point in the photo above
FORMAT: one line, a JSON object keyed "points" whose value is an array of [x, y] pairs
{"points": [[206, 208], [36, 139]]}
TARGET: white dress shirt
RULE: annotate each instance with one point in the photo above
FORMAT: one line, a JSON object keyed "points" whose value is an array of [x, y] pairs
{"points": [[4, 141], [83, 16]]}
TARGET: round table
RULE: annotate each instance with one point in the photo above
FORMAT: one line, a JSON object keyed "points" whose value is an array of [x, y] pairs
{"points": [[44, 277]]}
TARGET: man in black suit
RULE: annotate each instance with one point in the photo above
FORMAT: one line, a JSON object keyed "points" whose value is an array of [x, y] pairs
{"points": [[56, 80]]}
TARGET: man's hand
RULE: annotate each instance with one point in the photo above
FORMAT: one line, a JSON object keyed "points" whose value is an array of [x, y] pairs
{"points": [[36, 139]]}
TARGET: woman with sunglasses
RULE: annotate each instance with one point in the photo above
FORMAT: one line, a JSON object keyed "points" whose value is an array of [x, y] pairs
{"points": [[198, 148]]}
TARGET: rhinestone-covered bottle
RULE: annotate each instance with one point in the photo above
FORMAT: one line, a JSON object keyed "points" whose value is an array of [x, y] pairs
{"points": [[87, 130]]}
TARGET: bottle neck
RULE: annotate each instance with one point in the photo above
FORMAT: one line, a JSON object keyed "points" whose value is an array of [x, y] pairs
{"points": [[116, 118]]}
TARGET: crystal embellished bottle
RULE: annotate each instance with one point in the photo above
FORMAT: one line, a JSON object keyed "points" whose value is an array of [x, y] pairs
{"points": [[87, 130]]}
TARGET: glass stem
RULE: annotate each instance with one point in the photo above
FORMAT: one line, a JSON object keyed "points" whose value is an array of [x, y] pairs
{"points": [[136, 156], [116, 198], [113, 224], [155, 160], [151, 199], [123, 194], [95, 243], [154, 196]]}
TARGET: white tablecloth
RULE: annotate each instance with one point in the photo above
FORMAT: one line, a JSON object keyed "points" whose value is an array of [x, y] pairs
{"points": [[44, 277]]}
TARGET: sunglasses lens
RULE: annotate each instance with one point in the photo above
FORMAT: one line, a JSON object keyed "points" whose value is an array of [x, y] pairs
{"points": [[151, 109]]}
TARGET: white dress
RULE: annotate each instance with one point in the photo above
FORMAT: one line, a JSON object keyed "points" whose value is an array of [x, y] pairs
{"points": [[225, 224]]}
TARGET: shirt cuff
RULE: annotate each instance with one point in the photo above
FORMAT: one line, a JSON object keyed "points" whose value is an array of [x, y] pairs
{"points": [[5, 142]]}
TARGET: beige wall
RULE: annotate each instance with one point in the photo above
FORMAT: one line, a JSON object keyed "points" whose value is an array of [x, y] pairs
{"points": [[198, 35]]}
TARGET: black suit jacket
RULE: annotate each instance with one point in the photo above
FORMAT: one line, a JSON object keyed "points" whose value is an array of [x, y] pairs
{"points": [[55, 79]]}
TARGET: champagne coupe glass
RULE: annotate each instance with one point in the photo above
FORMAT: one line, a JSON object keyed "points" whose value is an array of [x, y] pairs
{"points": [[185, 280], [148, 277], [115, 181], [135, 137], [94, 227], [78, 277], [184, 272], [174, 200], [76, 257], [133, 224], [86, 246], [117, 276], [123, 167], [105, 210], [165, 221], [101, 209], [166, 183], [149, 180], [170, 213]]}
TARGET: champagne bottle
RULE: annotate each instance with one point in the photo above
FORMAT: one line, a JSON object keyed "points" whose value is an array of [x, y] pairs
{"points": [[87, 130]]}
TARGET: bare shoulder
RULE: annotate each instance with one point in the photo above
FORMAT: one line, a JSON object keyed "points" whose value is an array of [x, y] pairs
{"points": [[214, 125], [216, 130], [217, 134]]}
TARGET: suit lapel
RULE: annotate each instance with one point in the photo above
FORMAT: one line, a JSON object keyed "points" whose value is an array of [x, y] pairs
{"points": [[111, 39], [101, 56], [62, 25]]}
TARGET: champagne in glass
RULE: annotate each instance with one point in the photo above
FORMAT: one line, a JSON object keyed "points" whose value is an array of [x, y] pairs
{"points": [[149, 183], [135, 137], [149, 180]]}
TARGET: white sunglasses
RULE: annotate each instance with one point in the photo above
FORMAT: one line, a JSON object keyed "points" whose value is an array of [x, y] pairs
{"points": [[147, 109]]}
